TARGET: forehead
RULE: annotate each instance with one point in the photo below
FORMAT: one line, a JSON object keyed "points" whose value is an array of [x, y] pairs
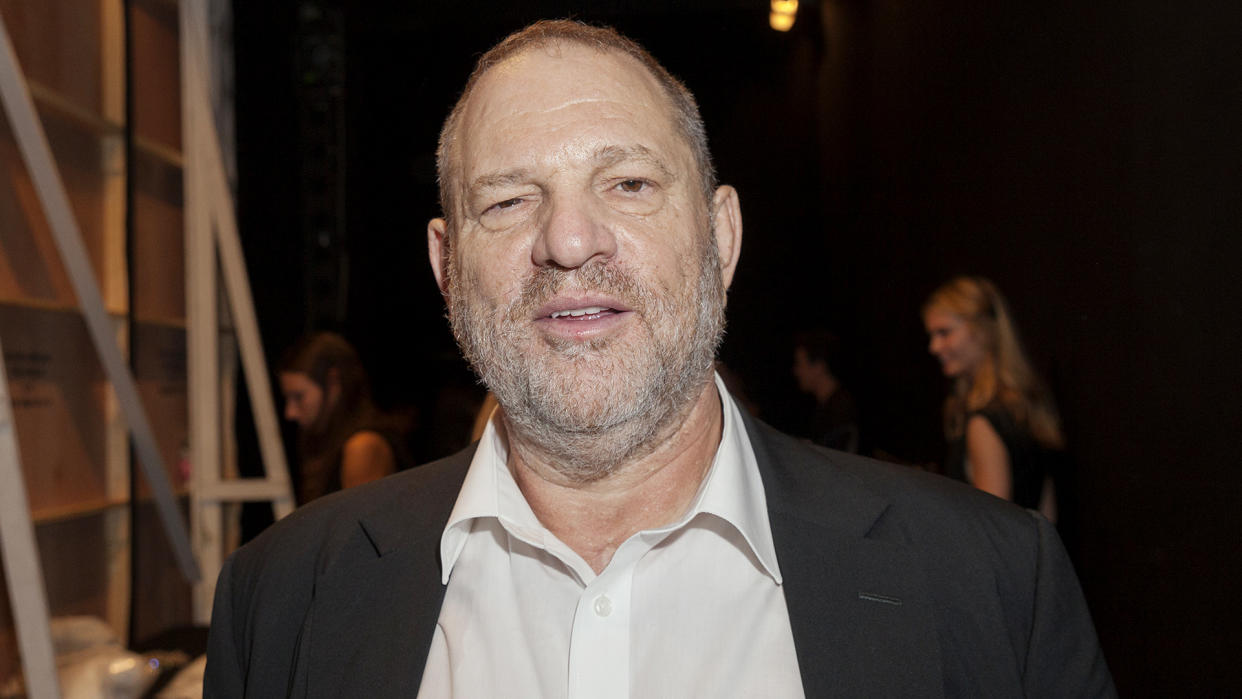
{"points": [[940, 317], [296, 381], [537, 103]]}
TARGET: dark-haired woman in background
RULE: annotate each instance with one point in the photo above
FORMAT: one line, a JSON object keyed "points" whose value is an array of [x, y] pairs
{"points": [[343, 439], [1000, 420]]}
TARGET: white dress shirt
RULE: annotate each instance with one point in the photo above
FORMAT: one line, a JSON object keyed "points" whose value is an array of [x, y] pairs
{"points": [[693, 609]]}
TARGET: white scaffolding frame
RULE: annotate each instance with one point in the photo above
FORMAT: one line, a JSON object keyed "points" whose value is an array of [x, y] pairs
{"points": [[211, 229], [21, 558]]}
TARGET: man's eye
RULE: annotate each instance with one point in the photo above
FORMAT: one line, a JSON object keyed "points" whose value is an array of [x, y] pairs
{"points": [[632, 186], [506, 204]]}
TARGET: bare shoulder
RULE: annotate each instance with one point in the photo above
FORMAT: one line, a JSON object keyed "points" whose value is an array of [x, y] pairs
{"points": [[367, 443], [980, 429], [366, 457], [985, 448]]}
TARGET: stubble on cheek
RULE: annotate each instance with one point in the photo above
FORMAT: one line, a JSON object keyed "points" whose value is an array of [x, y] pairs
{"points": [[592, 404]]}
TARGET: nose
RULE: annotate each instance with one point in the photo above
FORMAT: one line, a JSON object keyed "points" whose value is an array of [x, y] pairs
{"points": [[933, 345], [291, 412], [572, 234]]}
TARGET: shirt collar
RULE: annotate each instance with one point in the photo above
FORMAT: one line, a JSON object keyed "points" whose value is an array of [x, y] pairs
{"points": [[732, 491]]}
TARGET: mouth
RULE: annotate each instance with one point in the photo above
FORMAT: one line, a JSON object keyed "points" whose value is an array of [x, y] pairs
{"points": [[581, 307], [587, 313], [581, 317]]}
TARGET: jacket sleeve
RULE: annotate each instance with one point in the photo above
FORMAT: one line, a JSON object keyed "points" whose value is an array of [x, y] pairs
{"points": [[225, 673], [1063, 656]]}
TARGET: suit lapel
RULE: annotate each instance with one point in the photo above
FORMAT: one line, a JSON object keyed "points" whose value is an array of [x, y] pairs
{"points": [[861, 617], [378, 598]]}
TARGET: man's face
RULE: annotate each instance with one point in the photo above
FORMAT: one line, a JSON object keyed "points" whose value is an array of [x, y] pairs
{"points": [[582, 279]]}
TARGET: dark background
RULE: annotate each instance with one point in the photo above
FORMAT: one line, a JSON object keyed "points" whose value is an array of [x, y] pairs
{"points": [[1085, 156]]}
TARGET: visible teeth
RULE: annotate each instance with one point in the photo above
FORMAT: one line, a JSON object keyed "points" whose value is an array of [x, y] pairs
{"points": [[589, 310]]}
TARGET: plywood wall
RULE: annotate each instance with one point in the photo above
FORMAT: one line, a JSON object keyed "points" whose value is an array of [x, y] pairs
{"points": [[72, 440]]}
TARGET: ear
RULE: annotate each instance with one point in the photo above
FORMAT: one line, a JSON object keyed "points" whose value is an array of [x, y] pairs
{"points": [[727, 212], [437, 251]]}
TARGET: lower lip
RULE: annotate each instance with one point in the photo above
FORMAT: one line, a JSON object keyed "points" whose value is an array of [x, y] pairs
{"points": [[584, 327]]}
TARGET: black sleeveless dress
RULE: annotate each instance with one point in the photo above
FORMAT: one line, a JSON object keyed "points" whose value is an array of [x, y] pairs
{"points": [[1029, 462]]}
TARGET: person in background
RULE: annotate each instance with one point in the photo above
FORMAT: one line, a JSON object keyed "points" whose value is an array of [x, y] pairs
{"points": [[343, 439], [999, 418], [834, 422]]}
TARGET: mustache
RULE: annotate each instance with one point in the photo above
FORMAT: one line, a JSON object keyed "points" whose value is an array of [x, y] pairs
{"points": [[546, 282]]}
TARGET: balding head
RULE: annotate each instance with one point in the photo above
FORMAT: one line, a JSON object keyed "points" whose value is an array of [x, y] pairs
{"points": [[548, 34]]}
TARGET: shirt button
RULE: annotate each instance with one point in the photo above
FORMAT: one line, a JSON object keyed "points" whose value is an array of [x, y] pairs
{"points": [[603, 605]]}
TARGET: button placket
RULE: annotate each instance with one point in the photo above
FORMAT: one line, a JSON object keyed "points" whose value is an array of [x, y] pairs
{"points": [[599, 654]]}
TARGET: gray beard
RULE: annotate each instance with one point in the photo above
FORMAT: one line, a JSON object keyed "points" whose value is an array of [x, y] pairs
{"points": [[588, 407]]}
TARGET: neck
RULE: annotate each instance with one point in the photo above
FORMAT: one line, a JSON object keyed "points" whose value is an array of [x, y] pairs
{"points": [[595, 517]]}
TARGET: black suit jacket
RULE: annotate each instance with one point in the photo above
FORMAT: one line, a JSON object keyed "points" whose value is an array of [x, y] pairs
{"points": [[897, 584]]}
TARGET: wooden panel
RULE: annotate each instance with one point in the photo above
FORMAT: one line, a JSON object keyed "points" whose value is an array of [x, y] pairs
{"points": [[75, 555], [75, 455], [58, 44], [159, 250], [10, 660], [156, 72], [162, 595], [30, 267], [59, 398], [159, 368]]}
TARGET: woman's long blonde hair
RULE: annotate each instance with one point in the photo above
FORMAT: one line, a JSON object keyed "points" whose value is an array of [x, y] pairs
{"points": [[1005, 377]]}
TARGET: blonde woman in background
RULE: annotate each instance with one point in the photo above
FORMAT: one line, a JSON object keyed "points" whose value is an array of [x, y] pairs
{"points": [[1000, 421]]}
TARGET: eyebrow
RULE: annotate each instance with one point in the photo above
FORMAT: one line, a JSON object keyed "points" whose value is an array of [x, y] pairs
{"points": [[609, 156], [604, 157], [499, 179]]}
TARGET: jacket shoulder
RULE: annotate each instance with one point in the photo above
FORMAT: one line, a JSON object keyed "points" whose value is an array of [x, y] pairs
{"points": [[313, 533], [837, 486], [1008, 613], [266, 589]]}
